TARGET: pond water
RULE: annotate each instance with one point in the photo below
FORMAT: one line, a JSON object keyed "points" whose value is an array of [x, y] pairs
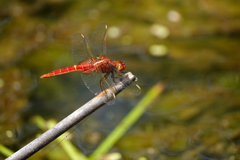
{"points": [[190, 46]]}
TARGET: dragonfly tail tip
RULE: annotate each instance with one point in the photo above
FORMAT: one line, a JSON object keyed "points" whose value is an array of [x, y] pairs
{"points": [[43, 76]]}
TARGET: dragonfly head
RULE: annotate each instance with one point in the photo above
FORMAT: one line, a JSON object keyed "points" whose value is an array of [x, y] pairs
{"points": [[120, 65]]}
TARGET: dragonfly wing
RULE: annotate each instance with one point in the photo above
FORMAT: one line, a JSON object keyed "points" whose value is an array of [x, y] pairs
{"points": [[108, 83], [80, 48], [133, 89], [98, 40], [92, 82]]}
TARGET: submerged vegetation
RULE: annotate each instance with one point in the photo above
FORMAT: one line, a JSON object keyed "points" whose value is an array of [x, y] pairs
{"points": [[192, 47]]}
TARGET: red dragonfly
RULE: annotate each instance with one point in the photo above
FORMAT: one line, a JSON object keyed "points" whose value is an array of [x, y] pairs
{"points": [[99, 72]]}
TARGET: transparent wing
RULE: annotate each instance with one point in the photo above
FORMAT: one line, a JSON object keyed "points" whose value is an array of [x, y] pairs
{"points": [[98, 40], [92, 82], [80, 48], [132, 89], [107, 84]]}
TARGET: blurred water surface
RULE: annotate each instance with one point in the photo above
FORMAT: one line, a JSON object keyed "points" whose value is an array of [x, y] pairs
{"points": [[192, 46]]}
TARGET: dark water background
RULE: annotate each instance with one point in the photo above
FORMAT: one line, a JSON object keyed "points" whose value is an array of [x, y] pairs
{"points": [[191, 46]]}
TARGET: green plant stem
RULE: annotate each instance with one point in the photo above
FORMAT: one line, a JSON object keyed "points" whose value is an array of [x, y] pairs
{"points": [[5, 151], [69, 148], [128, 121]]}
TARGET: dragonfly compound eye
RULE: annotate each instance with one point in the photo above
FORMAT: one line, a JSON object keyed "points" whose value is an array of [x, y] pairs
{"points": [[120, 65]]}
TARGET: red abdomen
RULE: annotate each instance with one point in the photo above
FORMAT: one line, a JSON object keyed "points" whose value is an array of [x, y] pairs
{"points": [[82, 67]]}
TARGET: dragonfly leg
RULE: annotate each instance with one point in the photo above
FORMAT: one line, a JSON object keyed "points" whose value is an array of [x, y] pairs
{"points": [[113, 77], [102, 81], [102, 86]]}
